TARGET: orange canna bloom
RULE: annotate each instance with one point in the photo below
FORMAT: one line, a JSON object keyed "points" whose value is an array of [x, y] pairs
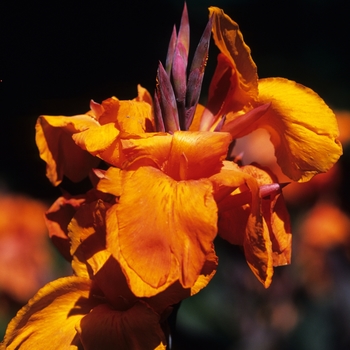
{"points": [[302, 128], [167, 160], [142, 239]]}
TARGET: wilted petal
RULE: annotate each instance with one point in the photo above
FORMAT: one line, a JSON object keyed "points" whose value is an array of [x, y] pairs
{"points": [[49, 319], [57, 148], [107, 328], [174, 235], [57, 219], [275, 214], [303, 129]]}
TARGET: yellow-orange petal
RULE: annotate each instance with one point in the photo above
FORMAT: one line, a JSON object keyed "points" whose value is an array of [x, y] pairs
{"points": [[112, 181], [97, 139], [132, 117], [161, 230], [49, 319], [136, 328], [196, 155], [57, 148], [154, 146], [229, 39], [143, 95], [303, 129]]}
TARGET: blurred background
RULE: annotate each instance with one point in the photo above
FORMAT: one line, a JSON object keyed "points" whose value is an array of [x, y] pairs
{"points": [[55, 56]]}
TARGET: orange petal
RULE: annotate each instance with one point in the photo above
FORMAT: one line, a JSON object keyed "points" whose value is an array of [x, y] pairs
{"points": [[136, 328], [258, 249], [172, 223], [196, 155], [132, 117], [50, 317], [155, 147], [235, 80], [143, 95], [57, 148], [303, 129], [97, 139], [276, 216], [87, 232]]}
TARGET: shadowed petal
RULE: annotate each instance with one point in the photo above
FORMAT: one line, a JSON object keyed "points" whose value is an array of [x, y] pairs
{"points": [[57, 148], [49, 319], [57, 219], [137, 328]]}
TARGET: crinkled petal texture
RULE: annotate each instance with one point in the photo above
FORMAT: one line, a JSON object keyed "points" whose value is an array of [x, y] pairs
{"points": [[57, 148], [119, 119], [260, 225], [303, 129], [106, 328], [49, 319], [161, 230]]}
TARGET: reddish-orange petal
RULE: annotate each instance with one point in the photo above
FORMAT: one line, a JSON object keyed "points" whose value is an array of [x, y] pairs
{"points": [[57, 219], [107, 328], [173, 225]]}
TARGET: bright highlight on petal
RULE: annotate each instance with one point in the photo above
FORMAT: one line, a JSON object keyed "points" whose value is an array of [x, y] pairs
{"points": [[303, 129], [49, 319]]}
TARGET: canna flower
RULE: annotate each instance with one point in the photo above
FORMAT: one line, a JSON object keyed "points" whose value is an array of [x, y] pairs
{"points": [[302, 128], [169, 172]]}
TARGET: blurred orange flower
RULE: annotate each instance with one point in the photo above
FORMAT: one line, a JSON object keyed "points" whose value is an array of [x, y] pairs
{"points": [[25, 260]]}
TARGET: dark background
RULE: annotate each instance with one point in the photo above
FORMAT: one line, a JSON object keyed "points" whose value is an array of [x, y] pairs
{"points": [[56, 56]]}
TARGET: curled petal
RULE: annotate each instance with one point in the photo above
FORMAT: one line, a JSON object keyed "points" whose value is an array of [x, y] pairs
{"points": [[143, 95], [57, 148], [50, 317], [303, 129], [107, 328], [174, 235], [57, 219], [229, 40], [275, 213], [235, 81], [97, 139]]}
